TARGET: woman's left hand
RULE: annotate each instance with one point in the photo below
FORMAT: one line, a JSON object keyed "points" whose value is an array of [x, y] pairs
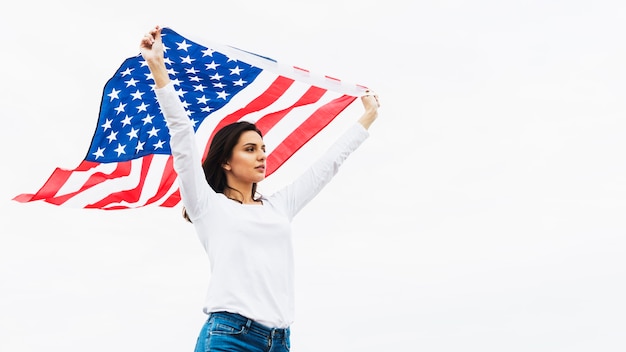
{"points": [[371, 104]]}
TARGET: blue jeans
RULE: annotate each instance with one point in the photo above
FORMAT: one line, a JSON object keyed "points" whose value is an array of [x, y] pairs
{"points": [[230, 332]]}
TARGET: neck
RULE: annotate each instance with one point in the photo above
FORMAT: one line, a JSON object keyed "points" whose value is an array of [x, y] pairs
{"points": [[243, 196]]}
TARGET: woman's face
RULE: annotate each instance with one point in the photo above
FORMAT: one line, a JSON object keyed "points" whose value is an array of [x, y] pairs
{"points": [[247, 163]]}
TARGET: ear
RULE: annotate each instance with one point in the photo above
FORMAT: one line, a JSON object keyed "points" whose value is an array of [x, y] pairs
{"points": [[226, 166]]}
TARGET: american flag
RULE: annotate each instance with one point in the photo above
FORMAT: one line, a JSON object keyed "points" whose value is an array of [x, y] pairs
{"points": [[129, 162]]}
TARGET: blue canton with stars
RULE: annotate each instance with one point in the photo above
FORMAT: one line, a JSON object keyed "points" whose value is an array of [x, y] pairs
{"points": [[131, 125]]}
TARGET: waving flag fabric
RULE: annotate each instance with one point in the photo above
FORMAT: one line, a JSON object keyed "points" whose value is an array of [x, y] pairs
{"points": [[129, 163]]}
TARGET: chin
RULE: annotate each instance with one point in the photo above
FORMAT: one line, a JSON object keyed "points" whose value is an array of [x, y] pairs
{"points": [[256, 179]]}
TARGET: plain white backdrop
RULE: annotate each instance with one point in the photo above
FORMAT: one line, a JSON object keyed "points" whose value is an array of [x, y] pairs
{"points": [[485, 212]]}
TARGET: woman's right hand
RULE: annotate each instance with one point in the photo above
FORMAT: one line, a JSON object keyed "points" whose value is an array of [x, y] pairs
{"points": [[151, 47]]}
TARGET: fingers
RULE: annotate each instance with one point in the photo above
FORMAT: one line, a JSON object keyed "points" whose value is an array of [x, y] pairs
{"points": [[156, 33], [151, 37], [146, 41], [370, 97]]}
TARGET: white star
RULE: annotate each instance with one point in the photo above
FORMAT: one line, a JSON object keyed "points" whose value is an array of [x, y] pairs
{"points": [[218, 85], [199, 87], [120, 149], [195, 79], [183, 45], [206, 109], [112, 136], [187, 60], [99, 153], [148, 119], [216, 76], [127, 72], [159, 144], [120, 108], [126, 120], [222, 95], [172, 72], [107, 124], [153, 132], [139, 146], [191, 71], [143, 107], [240, 82], [132, 134], [207, 52], [137, 95], [203, 100], [212, 66], [114, 94], [236, 70], [176, 82], [131, 82]]}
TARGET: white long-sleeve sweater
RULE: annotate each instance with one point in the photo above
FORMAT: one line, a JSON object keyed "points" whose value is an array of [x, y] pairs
{"points": [[249, 246]]}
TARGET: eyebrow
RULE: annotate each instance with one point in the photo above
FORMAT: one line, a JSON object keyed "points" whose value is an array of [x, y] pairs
{"points": [[253, 144]]}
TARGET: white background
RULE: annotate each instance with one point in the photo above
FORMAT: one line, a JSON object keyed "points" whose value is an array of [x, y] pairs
{"points": [[485, 212]]}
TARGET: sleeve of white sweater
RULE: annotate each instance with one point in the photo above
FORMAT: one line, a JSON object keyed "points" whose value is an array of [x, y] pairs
{"points": [[194, 188]]}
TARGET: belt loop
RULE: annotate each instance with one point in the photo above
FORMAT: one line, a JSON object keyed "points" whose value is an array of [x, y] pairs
{"points": [[248, 324]]}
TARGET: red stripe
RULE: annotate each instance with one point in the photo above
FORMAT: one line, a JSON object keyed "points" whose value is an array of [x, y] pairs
{"points": [[307, 130], [55, 182], [122, 169], [129, 195], [172, 200], [268, 97], [167, 180], [312, 95]]}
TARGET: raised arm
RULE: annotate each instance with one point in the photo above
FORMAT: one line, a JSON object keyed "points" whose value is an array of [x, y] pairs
{"points": [[152, 51], [194, 188], [310, 183]]}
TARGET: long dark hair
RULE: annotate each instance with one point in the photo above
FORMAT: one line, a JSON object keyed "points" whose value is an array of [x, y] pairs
{"points": [[220, 151]]}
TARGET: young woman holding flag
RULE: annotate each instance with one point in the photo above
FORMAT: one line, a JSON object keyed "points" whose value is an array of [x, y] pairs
{"points": [[247, 237]]}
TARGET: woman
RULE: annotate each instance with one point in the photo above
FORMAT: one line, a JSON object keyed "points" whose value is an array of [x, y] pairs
{"points": [[250, 298]]}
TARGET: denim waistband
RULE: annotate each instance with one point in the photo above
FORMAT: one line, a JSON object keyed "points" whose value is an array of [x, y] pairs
{"points": [[252, 325]]}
